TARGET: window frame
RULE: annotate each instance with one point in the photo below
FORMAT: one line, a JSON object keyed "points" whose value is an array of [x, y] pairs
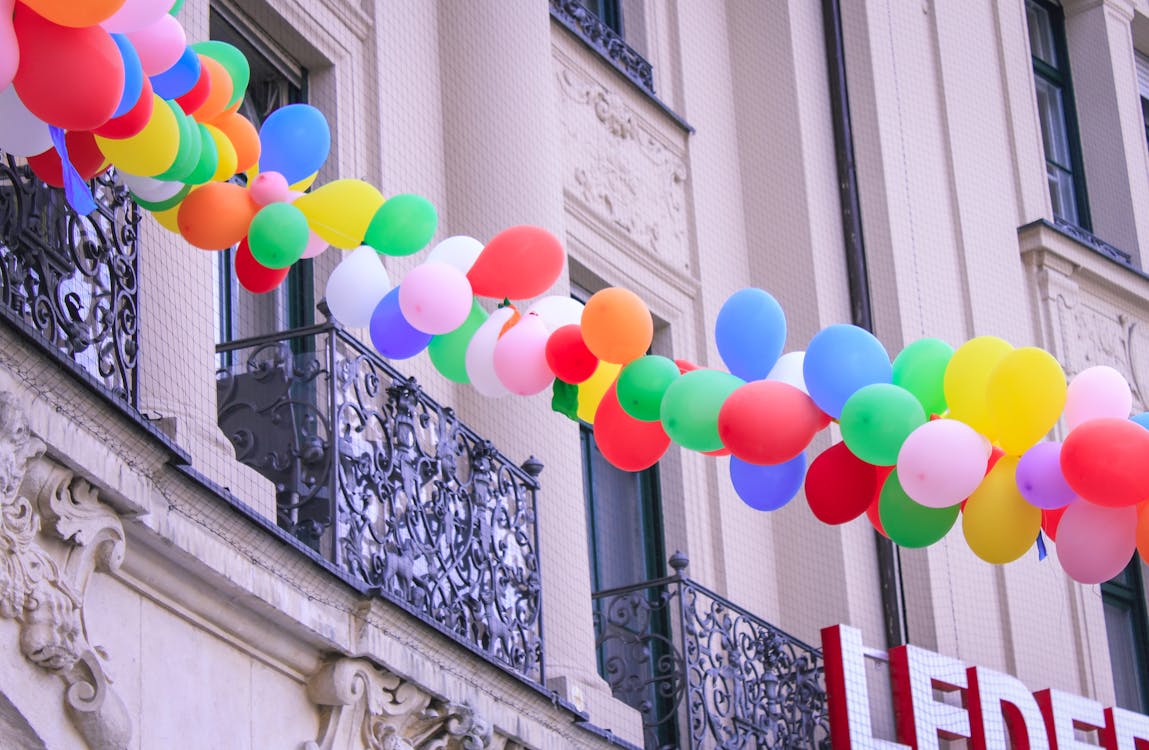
{"points": [[1127, 590]]}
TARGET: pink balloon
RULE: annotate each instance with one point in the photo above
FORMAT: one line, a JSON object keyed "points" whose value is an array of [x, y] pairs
{"points": [[268, 187], [135, 15], [521, 357], [942, 462], [1095, 393], [1095, 543], [9, 49], [315, 246], [435, 298], [159, 44]]}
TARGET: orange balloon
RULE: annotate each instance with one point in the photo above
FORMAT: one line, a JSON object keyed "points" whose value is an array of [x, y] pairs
{"points": [[75, 13], [218, 95], [617, 326], [243, 136], [216, 215], [1143, 531]]}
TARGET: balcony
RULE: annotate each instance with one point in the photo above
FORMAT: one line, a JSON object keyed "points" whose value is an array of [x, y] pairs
{"points": [[705, 673]]}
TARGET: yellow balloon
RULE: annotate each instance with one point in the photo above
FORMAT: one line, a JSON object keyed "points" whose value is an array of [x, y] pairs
{"points": [[228, 160], [1025, 396], [591, 391], [303, 184], [999, 525], [152, 150], [341, 211], [169, 219], [966, 380]]}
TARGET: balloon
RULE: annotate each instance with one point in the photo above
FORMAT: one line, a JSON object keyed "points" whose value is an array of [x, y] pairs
{"points": [[83, 152], [219, 93], [767, 487], [244, 139], [177, 7], [873, 513], [878, 419], [1097, 392], [169, 219], [134, 120], [920, 368], [215, 216], [233, 62], [269, 187], [22, 133], [70, 78], [767, 422], [194, 98], [391, 334], [134, 15], [208, 163], [520, 356], [449, 351], [149, 189], [592, 390], [133, 76], [616, 325], [967, 378], [73, 13], [557, 310], [1025, 395], [402, 225], [1039, 477], [179, 78], [518, 263], [315, 246], [1050, 520], [1094, 544], [911, 524], [480, 358], [568, 357], [151, 151], [750, 332], [788, 369], [459, 251], [999, 525], [627, 443], [356, 286], [191, 145], [254, 277], [643, 383], [1104, 461], [690, 407], [840, 486], [341, 211], [942, 462], [225, 152], [159, 45], [1141, 419], [278, 235], [839, 360], [295, 141], [436, 298], [1143, 530]]}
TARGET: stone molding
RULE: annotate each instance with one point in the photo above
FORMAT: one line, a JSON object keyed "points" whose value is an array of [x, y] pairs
{"points": [[54, 533]]}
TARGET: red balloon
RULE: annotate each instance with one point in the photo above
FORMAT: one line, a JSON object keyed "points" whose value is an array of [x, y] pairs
{"points": [[840, 486], [876, 519], [568, 357], [83, 152], [1050, 519], [768, 422], [134, 120], [625, 442], [685, 366], [252, 276], [518, 263], [1104, 461], [194, 99], [70, 78]]}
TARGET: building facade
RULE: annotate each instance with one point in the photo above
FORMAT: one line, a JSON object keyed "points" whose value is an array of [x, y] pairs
{"points": [[227, 524]]}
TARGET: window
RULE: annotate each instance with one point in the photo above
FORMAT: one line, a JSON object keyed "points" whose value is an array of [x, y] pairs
{"points": [[1143, 89], [1127, 625], [1055, 108], [608, 11]]}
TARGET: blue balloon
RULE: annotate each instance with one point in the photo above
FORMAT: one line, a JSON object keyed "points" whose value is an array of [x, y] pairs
{"points": [[841, 359], [133, 75], [391, 334], [294, 141], [750, 332], [767, 487], [179, 78], [1141, 419]]}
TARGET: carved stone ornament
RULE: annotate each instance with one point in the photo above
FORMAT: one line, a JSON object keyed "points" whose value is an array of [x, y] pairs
{"points": [[364, 707], [44, 592]]}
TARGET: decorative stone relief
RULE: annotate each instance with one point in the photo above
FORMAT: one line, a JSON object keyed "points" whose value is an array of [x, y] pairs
{"points": [[620, 170], [44, 592]]}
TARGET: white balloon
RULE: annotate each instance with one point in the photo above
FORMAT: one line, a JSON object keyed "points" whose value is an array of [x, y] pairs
{"points": [[459, 251], [788, 369], [21, 132], [356, 286], [148, 188], [480, 359], [9, 50], [557, 310]]}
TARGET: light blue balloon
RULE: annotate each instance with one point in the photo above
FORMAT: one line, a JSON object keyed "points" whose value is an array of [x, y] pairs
{"points": [[391, 334], [294, 141], [767, 487], [750, 332], [840, 360], [179, 78], [1141, 419], [133, 75]]}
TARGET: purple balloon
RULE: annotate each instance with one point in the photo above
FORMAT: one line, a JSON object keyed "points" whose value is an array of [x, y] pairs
{"points": [[391, 334], [1040, 480], [767, 487]]}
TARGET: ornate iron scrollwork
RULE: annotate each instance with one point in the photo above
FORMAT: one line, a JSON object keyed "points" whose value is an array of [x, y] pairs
{"points": [[606, 41], [72, 279]]}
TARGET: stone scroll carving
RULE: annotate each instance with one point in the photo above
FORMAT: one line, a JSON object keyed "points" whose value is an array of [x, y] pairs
{"points": [[54, 533]]}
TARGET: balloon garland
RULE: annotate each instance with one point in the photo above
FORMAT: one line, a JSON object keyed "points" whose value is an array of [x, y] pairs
{"points": [[931, 436]]}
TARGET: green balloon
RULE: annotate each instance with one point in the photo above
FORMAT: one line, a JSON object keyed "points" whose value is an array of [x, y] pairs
{"points": [[191, 146], [164, 205], [690, 406], [911, 524], [278, 235], [176, 8], [233, 61], [208, 159], [642, 384], [877, 419], [404, 224], [921, 370], [449, 351]]}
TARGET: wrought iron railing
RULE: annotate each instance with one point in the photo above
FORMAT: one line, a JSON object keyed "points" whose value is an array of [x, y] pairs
{"points": [[71, 280], [390, 486], [606, 41], [705, 673]]}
